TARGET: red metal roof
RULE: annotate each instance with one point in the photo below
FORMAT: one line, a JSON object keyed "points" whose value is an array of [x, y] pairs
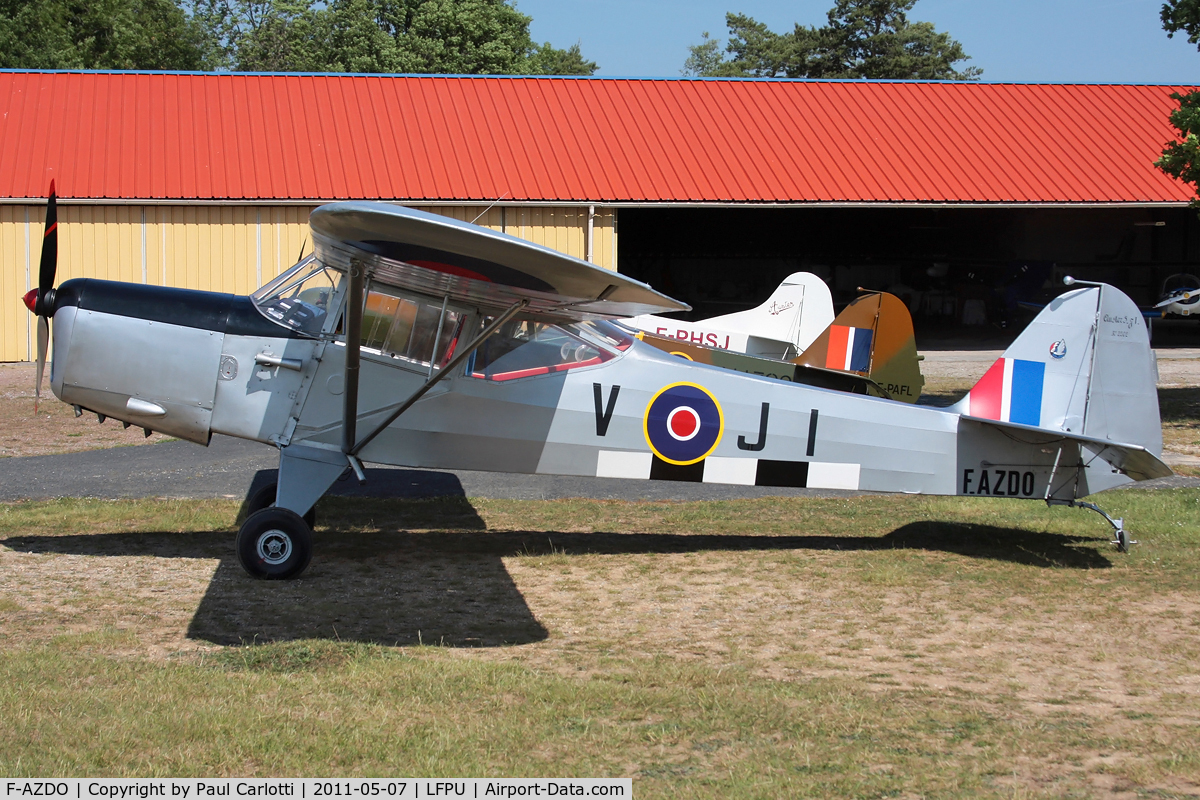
{"points": [[147, 136]]}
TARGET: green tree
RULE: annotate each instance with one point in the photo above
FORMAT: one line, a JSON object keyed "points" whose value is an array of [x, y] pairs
{"points": [[547, 60], [1181, 158], [863, 39], [100, 34], [478, 37], [1182, 15], [357, 40], [265, 35], [705, 59]]}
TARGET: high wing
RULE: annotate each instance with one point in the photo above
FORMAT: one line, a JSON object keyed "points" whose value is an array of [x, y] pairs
{"points": [[440, 256]]}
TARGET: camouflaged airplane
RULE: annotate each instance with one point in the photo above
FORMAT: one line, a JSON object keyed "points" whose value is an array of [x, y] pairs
{"points": [[870, 348], [417, 340]]}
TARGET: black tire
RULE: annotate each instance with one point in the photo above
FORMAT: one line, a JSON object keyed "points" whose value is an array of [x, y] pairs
{"points": [[274, 544], [265, 498]]}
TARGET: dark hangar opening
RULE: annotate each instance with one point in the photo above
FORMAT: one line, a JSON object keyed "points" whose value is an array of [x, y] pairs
{"points": [[962, 270]]}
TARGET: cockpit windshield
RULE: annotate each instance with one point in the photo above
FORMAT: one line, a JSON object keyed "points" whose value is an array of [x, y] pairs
{"points": [[301, 298]]}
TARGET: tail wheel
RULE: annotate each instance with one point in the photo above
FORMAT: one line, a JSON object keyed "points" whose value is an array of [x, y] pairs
{"points": [[265, 498], [274, 544]]}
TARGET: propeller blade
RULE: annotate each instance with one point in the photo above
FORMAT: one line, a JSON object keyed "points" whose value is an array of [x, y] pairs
{"points": [[49, 263], [1175, 298], [43, 341]]}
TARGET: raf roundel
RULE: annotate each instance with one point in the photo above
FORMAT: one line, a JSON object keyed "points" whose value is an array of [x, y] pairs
{"points": [[683, 423]]}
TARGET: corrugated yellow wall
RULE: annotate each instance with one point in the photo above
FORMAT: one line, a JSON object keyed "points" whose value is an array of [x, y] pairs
{"points": [[16, 278], [232, 249]]}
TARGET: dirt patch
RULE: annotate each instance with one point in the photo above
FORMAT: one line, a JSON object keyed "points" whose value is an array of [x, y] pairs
{"points": [[55, 428], [1117, 662]]}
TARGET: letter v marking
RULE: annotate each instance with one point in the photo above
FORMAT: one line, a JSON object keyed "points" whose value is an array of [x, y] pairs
{"points": [[604, 415]]}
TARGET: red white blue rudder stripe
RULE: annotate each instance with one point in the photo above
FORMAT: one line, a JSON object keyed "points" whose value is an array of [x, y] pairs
{"points": [[849, 348], [1010, 391]]}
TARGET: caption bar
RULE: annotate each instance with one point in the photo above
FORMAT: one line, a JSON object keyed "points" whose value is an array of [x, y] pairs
{"points": [[309, 788]]}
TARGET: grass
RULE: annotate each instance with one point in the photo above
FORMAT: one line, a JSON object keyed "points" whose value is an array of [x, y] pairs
{"points": [[856, 647], [1179, 408]]}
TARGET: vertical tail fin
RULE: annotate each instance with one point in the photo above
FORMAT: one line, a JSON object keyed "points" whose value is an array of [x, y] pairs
{"points": [[1084, 365], [796, 312], [873, 336]]}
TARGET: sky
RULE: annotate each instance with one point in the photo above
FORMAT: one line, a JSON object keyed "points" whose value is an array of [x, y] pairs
{"points": [[1025, 41]]}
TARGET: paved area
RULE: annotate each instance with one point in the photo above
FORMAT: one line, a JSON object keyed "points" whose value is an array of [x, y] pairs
{"points": [[232, 468]]}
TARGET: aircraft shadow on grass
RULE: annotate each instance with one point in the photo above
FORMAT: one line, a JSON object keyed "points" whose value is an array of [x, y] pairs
{"points": [[451, 587]]}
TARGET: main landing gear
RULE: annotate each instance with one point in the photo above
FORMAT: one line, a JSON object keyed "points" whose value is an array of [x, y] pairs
{"points": [[274, 544]]}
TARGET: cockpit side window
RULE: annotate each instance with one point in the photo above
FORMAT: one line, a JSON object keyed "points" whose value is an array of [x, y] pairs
{"points": [[405, 327], [522, 349]]}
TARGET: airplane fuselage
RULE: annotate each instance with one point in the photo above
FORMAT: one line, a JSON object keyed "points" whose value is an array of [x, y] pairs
{"points": [[411, 339], [191, 364]]}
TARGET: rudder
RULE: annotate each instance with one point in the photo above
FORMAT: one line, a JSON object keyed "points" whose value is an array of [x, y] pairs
{"points": [[874, 337], [1084, 366], [796, 312]]}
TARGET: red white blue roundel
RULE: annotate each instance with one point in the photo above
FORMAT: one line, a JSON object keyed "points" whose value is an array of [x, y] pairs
{"points": [[683, 423]]}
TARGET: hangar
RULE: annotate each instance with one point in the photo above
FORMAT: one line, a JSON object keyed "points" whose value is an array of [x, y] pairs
{"points": [[955, 195]]}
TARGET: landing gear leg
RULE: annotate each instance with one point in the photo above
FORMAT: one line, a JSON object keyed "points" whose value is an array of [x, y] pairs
{"points": [[265, 498]]}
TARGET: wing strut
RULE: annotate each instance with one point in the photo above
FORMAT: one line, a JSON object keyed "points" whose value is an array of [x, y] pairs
{"points": [[460, 357], [354, 315]]}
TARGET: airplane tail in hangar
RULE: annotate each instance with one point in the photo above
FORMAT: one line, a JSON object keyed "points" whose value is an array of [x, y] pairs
{"points": [[874, 337], [1083, 367], [869, 349], [796, 312]]}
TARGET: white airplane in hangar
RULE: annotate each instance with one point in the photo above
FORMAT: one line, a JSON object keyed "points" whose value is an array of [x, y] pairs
{"points": [[782, 327], [412, 339]]}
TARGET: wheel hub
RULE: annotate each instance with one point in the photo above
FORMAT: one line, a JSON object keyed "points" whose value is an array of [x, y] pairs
{"points": [[274, 546]]}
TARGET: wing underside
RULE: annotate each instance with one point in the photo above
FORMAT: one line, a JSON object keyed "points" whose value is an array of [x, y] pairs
{"points": [[437, 255]]}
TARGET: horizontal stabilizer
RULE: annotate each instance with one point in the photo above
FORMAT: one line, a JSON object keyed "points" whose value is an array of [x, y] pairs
{"points": [[1130, 459]]}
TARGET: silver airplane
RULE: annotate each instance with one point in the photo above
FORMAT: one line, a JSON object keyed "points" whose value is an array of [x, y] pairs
{"points": [[416, 340]]}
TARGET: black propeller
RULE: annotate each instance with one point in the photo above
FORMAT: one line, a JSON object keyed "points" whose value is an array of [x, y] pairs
{"points": [[41, 301]]}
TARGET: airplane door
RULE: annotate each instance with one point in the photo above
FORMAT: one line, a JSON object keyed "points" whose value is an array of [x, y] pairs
{"points": [[259, 382], [405, 340]]}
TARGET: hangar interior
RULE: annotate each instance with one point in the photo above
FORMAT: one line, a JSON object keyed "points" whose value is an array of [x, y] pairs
{"points": [[963, 269]]}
